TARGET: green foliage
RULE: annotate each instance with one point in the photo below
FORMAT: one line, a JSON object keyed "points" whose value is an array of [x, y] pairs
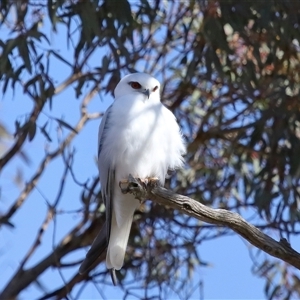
{"points": [[230, 72]]}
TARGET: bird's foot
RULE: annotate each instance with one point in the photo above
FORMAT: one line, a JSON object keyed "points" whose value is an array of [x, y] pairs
{"points": [[134, 186], [123, 185], [137, 186], [152, 180], [126, 185], [144, 182]]}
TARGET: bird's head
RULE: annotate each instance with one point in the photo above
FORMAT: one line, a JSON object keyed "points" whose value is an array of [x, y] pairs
{"points": [[141, 83]]}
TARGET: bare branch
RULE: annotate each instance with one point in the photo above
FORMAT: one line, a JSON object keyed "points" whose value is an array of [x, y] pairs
{"points": [[85, 117], [221, 217], [22, 137], [23, 278], [38, 239]]}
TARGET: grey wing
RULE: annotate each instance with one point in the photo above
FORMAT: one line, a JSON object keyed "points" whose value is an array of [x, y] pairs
{"points": [[103, 127], [107, 172], [107, 181]]}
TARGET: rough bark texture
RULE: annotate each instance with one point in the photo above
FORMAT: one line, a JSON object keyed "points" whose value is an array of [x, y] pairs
{"points": [[151, 190]]}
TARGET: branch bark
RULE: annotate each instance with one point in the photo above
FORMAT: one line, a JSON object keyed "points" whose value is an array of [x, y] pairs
{"points": [[71, 242], [151, 190], [22, 138]]}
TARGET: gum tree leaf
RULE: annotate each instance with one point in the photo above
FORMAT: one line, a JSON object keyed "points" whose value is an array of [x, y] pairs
{"points": [[31, 131], [66, 125]]}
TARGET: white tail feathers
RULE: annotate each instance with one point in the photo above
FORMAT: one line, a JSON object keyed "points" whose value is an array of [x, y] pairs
{"points": [[119, 232], [117, 246]]}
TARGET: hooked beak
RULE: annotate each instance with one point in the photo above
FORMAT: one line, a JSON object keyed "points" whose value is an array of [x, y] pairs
{"points": [[147, 93]]}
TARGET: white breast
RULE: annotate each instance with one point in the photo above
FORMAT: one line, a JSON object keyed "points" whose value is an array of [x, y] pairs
{"points": [[143, 138]]}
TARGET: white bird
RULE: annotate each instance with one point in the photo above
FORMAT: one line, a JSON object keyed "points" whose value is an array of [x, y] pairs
{"points": [[138, 135]]}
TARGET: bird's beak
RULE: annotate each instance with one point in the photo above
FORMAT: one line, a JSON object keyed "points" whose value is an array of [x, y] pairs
{"points": [[147, 93]]}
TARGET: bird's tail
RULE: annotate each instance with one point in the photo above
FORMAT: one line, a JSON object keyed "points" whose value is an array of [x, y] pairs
{"points": [[119, 234]]}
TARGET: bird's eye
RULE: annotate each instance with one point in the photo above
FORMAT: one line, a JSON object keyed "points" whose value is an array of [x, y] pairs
{"points": [[155, 88], [135, 85]]}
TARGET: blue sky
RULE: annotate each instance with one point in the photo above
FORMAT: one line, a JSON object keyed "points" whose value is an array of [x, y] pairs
{"points": [[228, 277]]}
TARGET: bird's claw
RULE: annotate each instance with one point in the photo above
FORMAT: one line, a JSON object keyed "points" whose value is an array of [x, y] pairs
{"points": [[123, 185], [137, 185], [147, 180]]}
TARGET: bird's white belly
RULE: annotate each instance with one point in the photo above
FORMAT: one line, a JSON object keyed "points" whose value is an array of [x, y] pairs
{"points": [[140, 142]]}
